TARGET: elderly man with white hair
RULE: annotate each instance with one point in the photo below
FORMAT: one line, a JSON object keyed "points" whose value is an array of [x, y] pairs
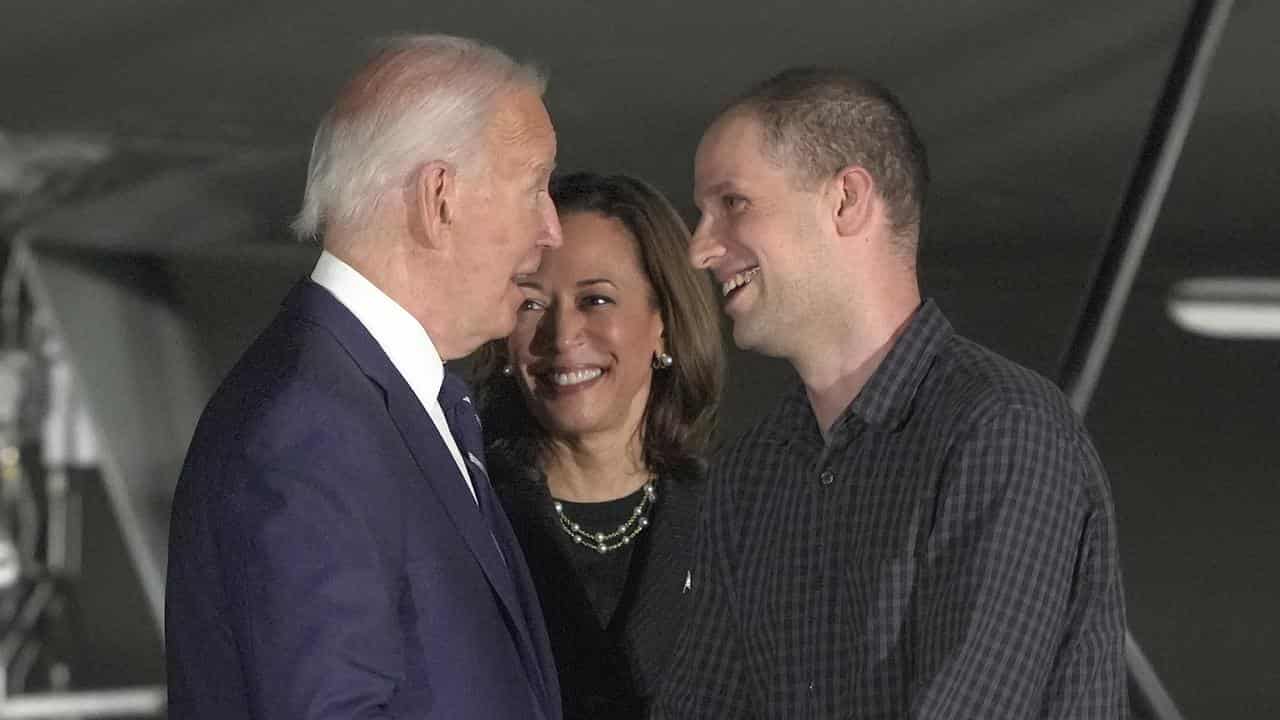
{"points": [[336, 550]]}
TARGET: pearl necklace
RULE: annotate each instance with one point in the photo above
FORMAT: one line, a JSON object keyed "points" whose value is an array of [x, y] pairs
{"points": [[626, 532]]}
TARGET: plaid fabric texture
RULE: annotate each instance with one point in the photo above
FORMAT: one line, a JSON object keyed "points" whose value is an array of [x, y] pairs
{"points": [[951, 553]]}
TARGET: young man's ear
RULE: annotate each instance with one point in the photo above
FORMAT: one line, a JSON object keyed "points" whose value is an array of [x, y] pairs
{"points": [[433, 197], [854, 191]]}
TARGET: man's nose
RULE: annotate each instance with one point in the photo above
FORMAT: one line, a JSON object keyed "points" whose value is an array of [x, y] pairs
{"points": [[552, 236], [704, 246]]}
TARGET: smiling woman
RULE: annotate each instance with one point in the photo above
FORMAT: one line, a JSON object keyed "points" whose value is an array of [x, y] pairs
{"points": [[598, 408], [586, 337]]}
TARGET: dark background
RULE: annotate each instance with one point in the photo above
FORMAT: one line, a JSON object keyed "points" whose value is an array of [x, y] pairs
{"points": [[1033, 113]]}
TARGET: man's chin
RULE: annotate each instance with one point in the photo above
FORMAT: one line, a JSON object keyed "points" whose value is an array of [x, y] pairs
{"points": [[503, 325], [494, 328], [743, 336], [754, 337]]}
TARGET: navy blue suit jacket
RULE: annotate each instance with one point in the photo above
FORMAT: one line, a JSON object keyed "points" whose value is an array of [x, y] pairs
{"points": [[326, 559]]}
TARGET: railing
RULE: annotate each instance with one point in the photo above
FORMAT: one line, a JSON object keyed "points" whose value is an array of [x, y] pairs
{"points": [[1121, 257]]}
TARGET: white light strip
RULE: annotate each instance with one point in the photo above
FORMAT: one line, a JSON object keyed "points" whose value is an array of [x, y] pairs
{"points": [[1228, 308], [131, 702]]}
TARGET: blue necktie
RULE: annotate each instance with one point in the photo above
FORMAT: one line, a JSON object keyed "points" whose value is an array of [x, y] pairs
{"points": [[464, 424]]}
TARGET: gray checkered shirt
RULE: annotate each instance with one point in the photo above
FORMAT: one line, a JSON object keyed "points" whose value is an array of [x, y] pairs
{"points": [[951, 553]]}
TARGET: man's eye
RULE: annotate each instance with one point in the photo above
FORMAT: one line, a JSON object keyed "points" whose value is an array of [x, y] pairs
{"points": [[734, 202], [530, 305]]}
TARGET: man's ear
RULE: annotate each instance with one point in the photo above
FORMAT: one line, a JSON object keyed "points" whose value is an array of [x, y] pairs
{"points": [[854, 190], [433, 200]]}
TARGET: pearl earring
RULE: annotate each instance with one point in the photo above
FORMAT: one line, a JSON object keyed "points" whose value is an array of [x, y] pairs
{"points": [[662, 361]]}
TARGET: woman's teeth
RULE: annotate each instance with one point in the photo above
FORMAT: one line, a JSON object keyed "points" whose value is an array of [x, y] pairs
{"points": [[576, 376], [738, 280]]}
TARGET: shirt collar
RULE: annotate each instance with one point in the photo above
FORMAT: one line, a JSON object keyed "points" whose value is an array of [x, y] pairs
{"points": [[396, 331], [886, 399]]}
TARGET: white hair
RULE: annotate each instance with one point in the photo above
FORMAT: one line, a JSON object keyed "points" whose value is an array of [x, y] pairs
{"points": [[423, 98]]}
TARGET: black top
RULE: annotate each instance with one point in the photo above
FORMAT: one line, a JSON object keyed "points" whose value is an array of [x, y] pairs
{"points": [[603, 575], [613, 618], [950, 553]]}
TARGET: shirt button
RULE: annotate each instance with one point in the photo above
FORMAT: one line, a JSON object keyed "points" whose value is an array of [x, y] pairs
{"points": [[827, 477]]}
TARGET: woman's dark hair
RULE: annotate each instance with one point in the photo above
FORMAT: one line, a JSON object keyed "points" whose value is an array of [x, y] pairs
{"points": [[684, 399]]}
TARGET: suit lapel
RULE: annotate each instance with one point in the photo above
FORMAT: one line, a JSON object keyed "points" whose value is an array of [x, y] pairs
{"points": [[436, 463], [438, 467], [542, 660], [669, 538]]}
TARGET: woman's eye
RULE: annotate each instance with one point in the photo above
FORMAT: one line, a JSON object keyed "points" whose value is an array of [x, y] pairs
{"points": [[530, 305], [596, 300]]}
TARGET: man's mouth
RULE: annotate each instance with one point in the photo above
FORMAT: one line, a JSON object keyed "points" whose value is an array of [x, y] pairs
{"points": [[739, 279]]}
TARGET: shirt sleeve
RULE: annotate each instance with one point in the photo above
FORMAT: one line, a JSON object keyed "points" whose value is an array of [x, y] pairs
{"points": [[706, 677], [1012, 595]]}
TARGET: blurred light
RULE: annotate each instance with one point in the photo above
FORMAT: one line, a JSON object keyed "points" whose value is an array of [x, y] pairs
{"points": [[1231, 308], [10, 565], [28, 161]]}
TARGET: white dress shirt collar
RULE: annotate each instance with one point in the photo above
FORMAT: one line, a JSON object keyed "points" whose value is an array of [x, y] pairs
{"points": [[400, 336], [397, 332]]}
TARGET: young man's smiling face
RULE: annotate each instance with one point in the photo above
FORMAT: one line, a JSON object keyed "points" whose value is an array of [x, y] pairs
{"points": [[761, 235]]}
